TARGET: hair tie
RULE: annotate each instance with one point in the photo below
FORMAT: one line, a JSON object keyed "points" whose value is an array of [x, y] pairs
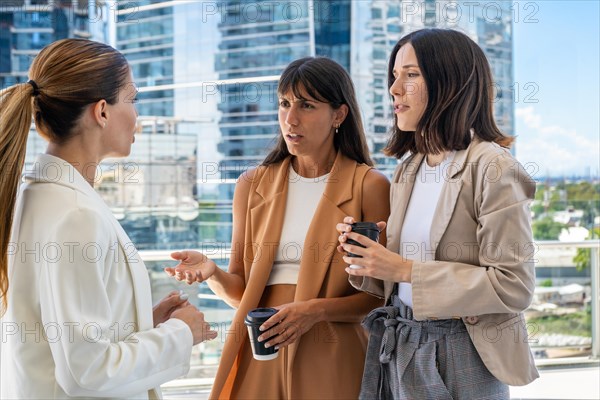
{"points": [[36, 89]]}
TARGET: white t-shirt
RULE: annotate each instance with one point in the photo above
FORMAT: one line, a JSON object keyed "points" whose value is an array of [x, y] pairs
{"points": [[415, 243], [303, 198]]}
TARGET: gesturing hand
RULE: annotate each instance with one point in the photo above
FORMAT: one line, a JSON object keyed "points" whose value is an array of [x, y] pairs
{"points": [[193, 266], [287, 326]]}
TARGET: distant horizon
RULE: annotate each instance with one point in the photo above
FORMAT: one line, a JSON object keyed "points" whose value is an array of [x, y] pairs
{"points": [[577, 178]]}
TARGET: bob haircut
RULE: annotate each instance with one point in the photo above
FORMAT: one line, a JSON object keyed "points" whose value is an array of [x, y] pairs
{"points": [[460, 95], [326, 81]]}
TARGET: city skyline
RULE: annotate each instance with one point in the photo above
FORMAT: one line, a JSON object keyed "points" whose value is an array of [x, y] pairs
{"points": [[555, 81], [555, 109]]}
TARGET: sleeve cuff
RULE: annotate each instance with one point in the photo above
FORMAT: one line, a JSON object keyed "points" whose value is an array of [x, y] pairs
{"points": [[181, 329]]}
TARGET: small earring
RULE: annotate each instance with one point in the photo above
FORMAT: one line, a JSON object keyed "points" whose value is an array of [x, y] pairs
{"points": [[337, 129]]}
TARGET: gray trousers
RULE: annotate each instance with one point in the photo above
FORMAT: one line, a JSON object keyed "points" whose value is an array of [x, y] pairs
{"points": [[409, 359]]}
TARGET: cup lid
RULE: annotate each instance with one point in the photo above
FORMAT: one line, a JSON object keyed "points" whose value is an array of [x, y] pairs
{"points": [[260, 314]]}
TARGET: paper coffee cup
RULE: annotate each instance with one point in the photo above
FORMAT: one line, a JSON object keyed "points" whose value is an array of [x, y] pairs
{"points": [[368, 229], [254, 319]]}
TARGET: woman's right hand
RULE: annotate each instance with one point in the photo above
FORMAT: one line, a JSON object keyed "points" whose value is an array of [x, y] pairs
{"points": [[201, 330], [193, 267], [344, 228]]}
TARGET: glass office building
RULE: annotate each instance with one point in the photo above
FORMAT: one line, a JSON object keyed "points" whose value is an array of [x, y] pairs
{"points": [[377, 25], [213, 67], [145, 35], [26, 26]]}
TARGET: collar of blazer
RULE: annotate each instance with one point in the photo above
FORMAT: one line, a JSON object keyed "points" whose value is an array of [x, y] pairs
{"points": [[51, 169], [342, 171]]}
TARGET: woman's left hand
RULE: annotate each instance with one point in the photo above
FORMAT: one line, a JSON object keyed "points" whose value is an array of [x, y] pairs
{"points": [[163, 310], [287, 326]]}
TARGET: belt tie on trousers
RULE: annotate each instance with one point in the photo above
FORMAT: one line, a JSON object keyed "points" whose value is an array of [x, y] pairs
{"points": [[397, 330], [410, 359]]}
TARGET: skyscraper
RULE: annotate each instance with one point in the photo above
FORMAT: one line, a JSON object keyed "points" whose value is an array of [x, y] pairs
{"points": [[382, 23], [213, 68], [258, 40], [156, 37], [26, 26]]}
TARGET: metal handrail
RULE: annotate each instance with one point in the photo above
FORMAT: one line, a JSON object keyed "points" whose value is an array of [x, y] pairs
{"points": [[157, 255], [583, 244]]}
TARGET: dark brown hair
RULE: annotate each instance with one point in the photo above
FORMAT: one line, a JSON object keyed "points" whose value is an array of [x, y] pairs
{"points": [[326, 81], [66, 76], [460, 95]]}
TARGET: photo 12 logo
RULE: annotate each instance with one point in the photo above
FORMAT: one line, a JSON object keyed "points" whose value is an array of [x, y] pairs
{"points": [[69, 332], [454, 12]]}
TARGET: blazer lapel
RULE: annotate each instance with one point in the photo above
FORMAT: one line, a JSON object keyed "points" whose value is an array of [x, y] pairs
{"points": [[130, 256], [139, 277], [321, 241], [448, 197], [264, 225], [137, 269]]}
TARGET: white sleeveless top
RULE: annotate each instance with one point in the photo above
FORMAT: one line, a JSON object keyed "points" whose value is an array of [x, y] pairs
{"points": [[303, 196], [415, 243]]}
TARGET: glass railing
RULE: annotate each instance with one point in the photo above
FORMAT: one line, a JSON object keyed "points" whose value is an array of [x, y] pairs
{"points": [[563, 319], [562, 322]]}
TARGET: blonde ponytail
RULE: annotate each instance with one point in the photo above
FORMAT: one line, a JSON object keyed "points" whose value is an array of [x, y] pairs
{"points": [[16, 104]]}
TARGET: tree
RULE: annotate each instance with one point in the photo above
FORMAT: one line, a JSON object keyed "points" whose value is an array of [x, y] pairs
{"points": [[546, 283], [583, 258], [547, 229]]}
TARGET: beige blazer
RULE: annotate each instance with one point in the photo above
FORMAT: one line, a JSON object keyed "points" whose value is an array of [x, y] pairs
{"points": [[482, 241], [79, 318], [321, 274]]}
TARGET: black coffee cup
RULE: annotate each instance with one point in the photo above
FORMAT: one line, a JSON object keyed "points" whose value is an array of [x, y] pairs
{"points": [[368, 229], [254, 319]]}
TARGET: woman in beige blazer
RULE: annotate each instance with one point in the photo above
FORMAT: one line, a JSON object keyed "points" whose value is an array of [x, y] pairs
{"points": [[320, 161], [458, 269], [78, 318]]}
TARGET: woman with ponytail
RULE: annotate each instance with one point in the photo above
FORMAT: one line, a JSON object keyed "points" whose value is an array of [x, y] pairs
{"points": [[77, 319]]}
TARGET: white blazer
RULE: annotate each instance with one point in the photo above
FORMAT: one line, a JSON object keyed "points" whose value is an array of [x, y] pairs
{"points": [[79, 318]]}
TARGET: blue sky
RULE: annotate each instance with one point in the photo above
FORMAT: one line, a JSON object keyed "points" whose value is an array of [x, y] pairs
{"points": [[558, 55]]}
